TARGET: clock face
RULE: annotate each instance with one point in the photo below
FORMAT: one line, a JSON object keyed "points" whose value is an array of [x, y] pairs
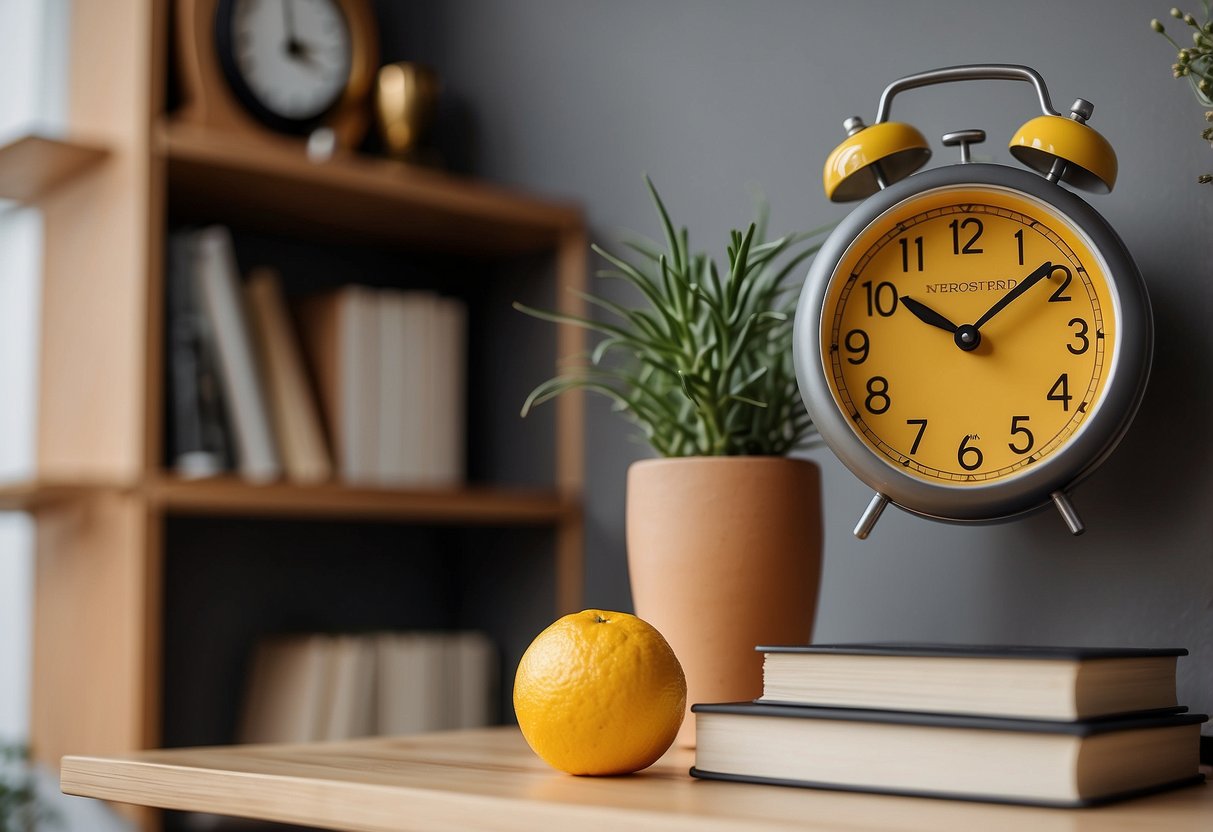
{"points": [[289, 61], [969, 333]]}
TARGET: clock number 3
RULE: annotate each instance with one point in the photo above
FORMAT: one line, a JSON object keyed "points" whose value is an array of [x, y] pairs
{"points": [[1084, 343]]}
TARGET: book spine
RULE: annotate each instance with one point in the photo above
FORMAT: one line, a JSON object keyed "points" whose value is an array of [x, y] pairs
{"points": [[197, 438], [296, 418], [219, 285]]}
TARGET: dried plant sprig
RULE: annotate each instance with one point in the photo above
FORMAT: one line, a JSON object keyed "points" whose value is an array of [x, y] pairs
{"points": [[1194, 62], [704, 366]]}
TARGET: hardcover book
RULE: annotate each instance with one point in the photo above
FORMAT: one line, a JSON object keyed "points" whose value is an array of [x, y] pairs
{"points": [[973, 758], [1010, 681]]}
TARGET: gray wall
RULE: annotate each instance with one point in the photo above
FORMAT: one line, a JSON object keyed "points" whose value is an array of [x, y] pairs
{"points": [[576, 99]]}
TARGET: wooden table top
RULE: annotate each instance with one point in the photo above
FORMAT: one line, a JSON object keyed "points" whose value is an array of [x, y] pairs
{"points": [[489, 780]]}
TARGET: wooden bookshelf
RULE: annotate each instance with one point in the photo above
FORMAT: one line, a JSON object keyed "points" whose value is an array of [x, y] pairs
{"points": [[100, 494], [33, 165]]}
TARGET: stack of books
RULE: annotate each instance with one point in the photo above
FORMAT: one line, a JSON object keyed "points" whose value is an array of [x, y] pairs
{"points": [[1038, 725]]}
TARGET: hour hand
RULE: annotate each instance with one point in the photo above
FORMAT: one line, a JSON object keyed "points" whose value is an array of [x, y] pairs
{"points": [[927, 315]]}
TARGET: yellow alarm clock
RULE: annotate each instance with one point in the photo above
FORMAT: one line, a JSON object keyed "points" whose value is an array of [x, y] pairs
{"points": [[973, 340]]}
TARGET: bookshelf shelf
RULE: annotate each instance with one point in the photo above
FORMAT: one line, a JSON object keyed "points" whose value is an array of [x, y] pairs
{"points": [[465, 506], [33, 165], [352, 198]]}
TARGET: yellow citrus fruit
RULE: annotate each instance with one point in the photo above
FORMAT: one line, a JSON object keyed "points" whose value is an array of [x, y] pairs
{"points": [[599, 693]]}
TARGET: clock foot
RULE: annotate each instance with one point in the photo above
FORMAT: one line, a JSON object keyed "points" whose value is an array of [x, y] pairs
{"points": [[870, 515], [1067, 512]]}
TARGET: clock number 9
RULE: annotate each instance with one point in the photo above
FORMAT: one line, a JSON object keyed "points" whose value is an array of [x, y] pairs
{"points": [[857, 342], [970, 452], [878, 400]]}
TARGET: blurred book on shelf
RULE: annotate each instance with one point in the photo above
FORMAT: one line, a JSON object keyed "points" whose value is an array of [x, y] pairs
{"points": [[197, 427], [293, 410], [318, 687], [242, 381], [391, 369]]}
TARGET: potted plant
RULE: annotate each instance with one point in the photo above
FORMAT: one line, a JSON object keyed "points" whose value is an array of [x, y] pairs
{"points": [[723, 529]]}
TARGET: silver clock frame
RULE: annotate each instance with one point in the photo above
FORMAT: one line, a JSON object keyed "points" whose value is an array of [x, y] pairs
{"points": [[1045, 481]]}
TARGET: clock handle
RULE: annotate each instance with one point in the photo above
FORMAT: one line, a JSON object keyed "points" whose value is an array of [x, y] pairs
{"points": [[1066, 509], [870, 515], [968, 72]]}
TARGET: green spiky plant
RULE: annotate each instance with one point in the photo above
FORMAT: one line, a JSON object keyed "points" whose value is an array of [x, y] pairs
{"points": [[704, 365]]}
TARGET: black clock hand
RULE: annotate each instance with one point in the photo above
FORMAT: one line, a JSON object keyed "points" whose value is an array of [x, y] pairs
{"points": [[926, 314], [1027, 283], [288, 26]]}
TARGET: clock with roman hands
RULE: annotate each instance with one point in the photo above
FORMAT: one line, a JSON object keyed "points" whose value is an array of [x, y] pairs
{"points": [[973, 340]]}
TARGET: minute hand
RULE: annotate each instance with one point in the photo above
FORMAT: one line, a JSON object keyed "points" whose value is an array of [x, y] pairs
{"points": [[1027, 283]]}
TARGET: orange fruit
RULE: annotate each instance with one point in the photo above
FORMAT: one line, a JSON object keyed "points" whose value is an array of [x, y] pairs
{"points": [[599, 693]]}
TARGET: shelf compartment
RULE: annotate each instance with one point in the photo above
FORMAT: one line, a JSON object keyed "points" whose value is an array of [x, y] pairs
{"points": [[33, 165], [273, 187], [464, 506]]}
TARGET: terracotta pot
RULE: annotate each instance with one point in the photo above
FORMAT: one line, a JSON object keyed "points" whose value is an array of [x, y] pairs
{"points": [[724, 553]]}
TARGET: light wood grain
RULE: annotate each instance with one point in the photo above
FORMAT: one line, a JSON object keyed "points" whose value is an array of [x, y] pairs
{"points": [[96, 258], [489, 780], [469, 505], [33, 165], [91, 619], [352, 199]]}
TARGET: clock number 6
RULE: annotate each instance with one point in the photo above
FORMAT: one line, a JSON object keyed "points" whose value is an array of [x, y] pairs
{"points": [[1029, 439], [969, 451]]}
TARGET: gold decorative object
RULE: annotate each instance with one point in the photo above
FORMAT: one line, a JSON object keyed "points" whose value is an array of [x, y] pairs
{"points": [[405, 97]]}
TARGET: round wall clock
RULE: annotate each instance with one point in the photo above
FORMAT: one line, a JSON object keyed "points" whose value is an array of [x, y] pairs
{"points": [[973, 340], [289, 66]]}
